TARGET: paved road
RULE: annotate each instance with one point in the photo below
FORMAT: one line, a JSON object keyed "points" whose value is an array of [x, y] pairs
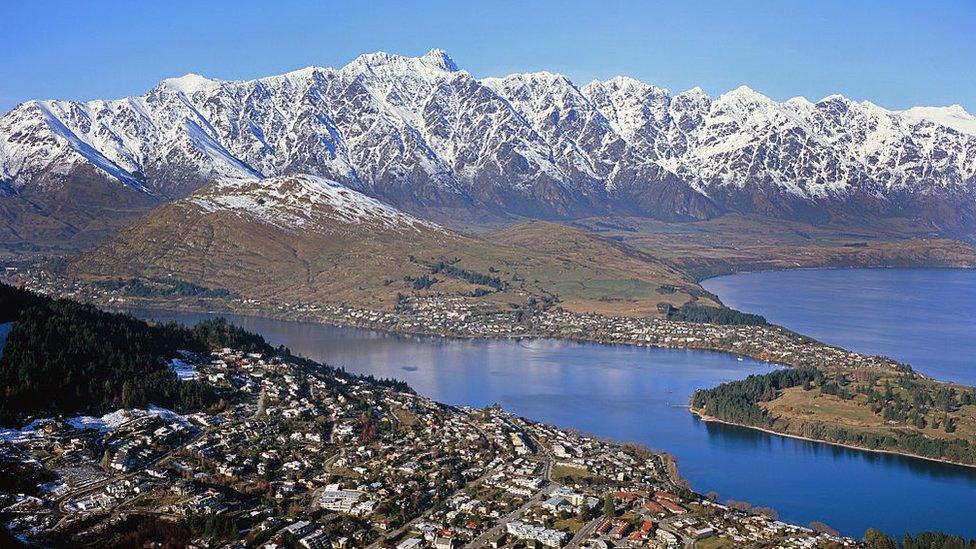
{"points": [[549, 459], [584, 533]]}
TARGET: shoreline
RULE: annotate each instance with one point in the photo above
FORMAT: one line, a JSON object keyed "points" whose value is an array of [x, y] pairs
{"points": [[712, 419], [461, 337], [284, 317], [839, 268]]}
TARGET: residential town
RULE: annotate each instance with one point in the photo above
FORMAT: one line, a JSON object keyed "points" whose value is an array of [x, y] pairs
{"points": [[302, 455]]}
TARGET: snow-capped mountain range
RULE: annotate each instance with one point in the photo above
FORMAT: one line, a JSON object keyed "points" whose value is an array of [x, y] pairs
{"points": [[422, 134]]}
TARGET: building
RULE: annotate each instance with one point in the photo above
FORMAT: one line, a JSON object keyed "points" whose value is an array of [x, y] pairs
{"points": [[315, 540], [298, 529], [335, 499], [545, 536], [443, 543], [410, 543]]}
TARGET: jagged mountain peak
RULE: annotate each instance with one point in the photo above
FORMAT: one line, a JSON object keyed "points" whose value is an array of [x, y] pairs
{"points": [[744, 94], [439, 58], [304, 73], [626, 85], [190, 83], [835, 98], [799, 101], [953, 116], [434, 60], [540, 80], [625, 82], [695, 92]]}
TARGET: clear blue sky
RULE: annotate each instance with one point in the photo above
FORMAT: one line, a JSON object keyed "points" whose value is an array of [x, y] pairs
{"points": [[896, 54]]}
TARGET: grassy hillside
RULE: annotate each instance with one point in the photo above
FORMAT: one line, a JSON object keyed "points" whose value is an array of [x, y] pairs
{"points": [[368, 266], [84, 210], [592, 273]]}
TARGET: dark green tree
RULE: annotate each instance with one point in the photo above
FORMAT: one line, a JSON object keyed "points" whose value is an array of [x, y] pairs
{"points": [[876, 539], [609, 506]]}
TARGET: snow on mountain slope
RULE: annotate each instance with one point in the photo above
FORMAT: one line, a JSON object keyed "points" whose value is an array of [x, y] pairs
{"points": [[420, 133], [954, 117], [303, 202]]}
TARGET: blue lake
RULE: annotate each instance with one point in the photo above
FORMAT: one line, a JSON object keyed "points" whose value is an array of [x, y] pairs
{"points": [[925, 317], [638, 394]]}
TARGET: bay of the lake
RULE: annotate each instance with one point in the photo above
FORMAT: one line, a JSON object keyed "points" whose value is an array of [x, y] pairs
{"points": [[924, 317]]}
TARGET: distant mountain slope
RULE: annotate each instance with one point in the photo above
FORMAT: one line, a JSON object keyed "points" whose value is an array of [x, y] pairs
{"points": [[304, 239], [429, 138], [86, 210]]}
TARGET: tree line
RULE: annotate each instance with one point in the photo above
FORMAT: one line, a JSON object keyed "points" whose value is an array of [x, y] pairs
{"points": [[875, 539], [738, 401], [470, 276], [162, 287], [712, 315]]}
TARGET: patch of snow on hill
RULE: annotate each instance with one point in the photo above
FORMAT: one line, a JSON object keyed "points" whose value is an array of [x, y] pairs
{"points": [[104, 424], [184, 370], [302, 201], [114, 420]]}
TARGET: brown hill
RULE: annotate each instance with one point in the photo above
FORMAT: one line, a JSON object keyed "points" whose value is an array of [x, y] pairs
{"points": [[301, 239]]}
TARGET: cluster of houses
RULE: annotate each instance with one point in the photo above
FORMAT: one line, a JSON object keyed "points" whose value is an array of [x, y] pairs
{"points": [[311, 457], [136, 443], [456, 316], [763, 342], [548, 537]]}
